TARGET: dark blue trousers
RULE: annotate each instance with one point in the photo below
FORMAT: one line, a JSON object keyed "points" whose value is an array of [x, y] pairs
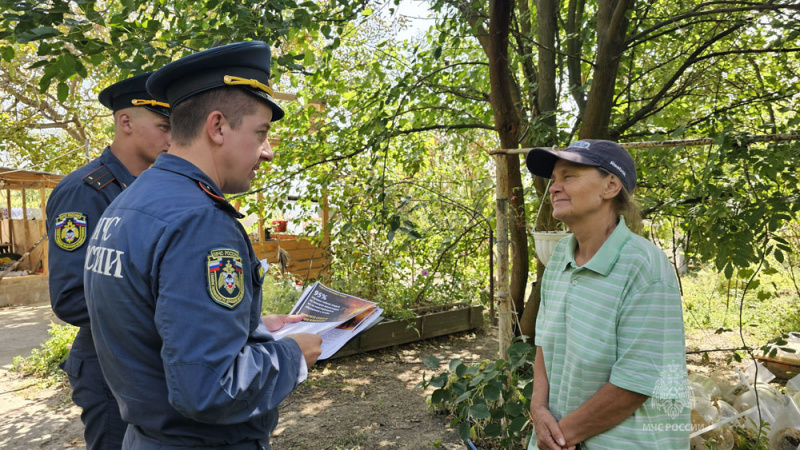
{"points": [[104, 428], [136, 440]]}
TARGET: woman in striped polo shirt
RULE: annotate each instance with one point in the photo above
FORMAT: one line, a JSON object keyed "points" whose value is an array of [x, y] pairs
{"points": [[610, 369]]}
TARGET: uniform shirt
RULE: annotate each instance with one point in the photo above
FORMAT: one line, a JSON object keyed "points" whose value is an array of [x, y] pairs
{"points": [[73, 210], [616, 319], [174, 293]]}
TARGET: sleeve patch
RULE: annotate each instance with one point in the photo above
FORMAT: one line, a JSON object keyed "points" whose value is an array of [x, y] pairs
{"points": [[70, 231], [225, 277]]}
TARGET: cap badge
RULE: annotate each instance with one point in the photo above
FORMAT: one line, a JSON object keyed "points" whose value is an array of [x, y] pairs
{"points": [[583, 144]]}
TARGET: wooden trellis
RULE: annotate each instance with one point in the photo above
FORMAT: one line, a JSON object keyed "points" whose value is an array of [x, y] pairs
{"points": [[506, 314]]}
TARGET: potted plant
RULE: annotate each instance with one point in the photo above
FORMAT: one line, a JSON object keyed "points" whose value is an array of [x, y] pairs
{"points": [[279, 225], [545, 241]]}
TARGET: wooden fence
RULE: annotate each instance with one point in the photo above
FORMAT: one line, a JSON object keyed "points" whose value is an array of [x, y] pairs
{"points": [[306, 259]]}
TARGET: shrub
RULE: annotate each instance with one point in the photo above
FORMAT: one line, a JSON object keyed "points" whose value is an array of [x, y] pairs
{"points": [[280, 292], [43, 361], [490, 401]]}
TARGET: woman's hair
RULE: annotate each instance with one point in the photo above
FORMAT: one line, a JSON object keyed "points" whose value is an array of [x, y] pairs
{"points": [[626, 206]]}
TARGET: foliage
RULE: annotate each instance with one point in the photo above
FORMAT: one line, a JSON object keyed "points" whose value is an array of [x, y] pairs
{"points": [[490, 401], [729, 201], [138, 35], [712, 303], [747, 438], [410, 213], [50, 131], [279, 292], [43, 361], [56, 54]]}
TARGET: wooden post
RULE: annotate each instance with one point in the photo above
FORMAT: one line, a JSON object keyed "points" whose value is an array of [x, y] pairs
{"points": [[326, 233], [26, 240], [24, 205], [10, 227], [502, 293], [43, 228], [262, 234]]}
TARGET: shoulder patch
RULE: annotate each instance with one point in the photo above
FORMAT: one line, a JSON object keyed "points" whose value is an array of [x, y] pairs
{"points": [[99, 178], [261, 273], [70, 231], [225, 277]]}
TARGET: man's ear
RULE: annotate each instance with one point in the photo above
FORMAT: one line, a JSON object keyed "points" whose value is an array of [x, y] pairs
{"points": [[612, 187], [215, 127], [124, 119]]}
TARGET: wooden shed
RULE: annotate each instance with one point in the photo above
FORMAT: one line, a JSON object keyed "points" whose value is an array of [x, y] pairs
{"points": [[23, 226], [22, 229]]}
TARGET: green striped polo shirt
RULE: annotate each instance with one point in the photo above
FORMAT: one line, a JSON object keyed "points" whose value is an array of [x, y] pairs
{"points": [[617, 319]]}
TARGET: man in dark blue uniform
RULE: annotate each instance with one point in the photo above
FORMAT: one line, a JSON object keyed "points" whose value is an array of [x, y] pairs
{"points": [[172, 282], [141, 133]]}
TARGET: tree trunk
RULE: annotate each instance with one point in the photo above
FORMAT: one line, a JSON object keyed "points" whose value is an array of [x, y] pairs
{"points": [[546, 99], [505, 98], [507, 121], [612, 25]]}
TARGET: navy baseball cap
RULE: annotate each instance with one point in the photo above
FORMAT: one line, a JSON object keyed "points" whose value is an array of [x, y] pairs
{"points": [[590, 152], [131, 93], [243, 64]]}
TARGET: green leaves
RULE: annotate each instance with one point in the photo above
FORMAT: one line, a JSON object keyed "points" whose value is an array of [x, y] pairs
{"points": [[37, 34], [431, 362], [491, 399], [63, 91], [171, 26], [7, 53]]}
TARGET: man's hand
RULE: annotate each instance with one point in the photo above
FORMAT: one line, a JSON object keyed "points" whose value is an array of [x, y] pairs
{"points": [[275, 322], [548, 433], [309, 345]]}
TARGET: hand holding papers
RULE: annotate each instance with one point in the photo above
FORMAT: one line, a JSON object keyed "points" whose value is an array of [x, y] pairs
{"points": [[334, 316]]}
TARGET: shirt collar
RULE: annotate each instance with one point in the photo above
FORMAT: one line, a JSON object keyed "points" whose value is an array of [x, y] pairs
{"points": [[180, 166], [603, 261], [120, 172], [176, 164]]}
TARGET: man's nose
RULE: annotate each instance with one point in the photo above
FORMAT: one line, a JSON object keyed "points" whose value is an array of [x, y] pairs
{"points": [[266, 151]]}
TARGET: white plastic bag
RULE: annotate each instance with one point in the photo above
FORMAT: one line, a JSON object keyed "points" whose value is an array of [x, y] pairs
{"points": [[702, 386], [770, 403], [785, 432], [793, 385], [764, 375]]}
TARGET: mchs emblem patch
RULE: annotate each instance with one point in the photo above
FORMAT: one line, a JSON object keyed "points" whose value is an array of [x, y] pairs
{"points": [[225, 278], [70, 231]]}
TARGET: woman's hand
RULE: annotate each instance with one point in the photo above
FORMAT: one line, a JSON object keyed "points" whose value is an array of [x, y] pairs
{"points": [[548, 433]]}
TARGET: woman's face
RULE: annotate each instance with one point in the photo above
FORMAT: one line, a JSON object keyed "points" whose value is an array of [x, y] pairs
{"points": [[578, 192]]}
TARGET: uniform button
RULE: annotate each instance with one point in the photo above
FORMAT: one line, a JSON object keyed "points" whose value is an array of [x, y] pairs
{"points": [[574, 282]]}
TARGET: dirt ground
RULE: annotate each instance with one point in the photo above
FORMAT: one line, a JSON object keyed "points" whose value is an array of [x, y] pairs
{"points": [[358, 402], [363, 401]]}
